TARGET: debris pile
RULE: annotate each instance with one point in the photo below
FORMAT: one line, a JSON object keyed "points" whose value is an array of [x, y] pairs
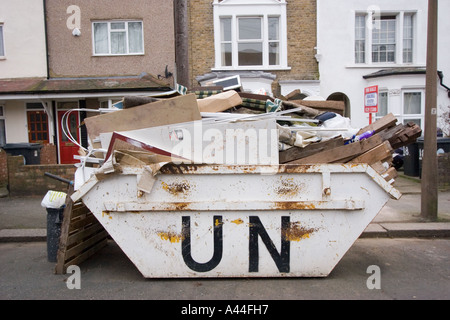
{"points": [[209, 125]]}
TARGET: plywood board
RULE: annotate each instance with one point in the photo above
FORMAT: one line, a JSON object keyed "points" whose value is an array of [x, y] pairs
{"points": [[159, 113]]}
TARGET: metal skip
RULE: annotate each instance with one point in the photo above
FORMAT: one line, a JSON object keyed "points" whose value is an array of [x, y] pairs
{"points": [[237, 220]]}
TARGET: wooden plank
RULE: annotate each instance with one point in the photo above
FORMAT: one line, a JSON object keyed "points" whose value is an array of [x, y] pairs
{"points": [[379, 167], [379, 153], [163, 112], [409, 134], [86, 244], [387, 121], [306, 111], [80, 235], [390, 174], [79, 209], [65, 226], [329, 105], [342, 154], [296, 153], [89, 219], [85, 255]]}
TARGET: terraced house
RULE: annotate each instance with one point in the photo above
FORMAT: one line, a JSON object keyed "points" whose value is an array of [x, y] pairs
{"points": [[57, 55]]}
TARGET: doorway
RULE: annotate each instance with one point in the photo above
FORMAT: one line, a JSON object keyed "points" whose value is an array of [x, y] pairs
{"points": [[68, 147]]}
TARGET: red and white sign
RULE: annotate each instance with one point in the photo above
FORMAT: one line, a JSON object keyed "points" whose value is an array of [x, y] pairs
{"points": [[371, 99]]}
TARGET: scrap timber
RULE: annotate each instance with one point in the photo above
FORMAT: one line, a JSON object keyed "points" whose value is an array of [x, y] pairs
{"points": [[376, 151]]}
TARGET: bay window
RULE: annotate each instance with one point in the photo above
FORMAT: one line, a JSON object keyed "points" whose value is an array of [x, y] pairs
{"points": [[249, 35]]}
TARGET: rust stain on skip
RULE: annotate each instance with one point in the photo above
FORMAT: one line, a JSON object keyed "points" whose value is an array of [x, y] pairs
{"points": [[176, 188], [292, 205], [296, 232], [170, 236], [287, 187]]}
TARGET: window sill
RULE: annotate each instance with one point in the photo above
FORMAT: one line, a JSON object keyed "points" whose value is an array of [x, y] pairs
{"points": [[2, 58], [257, 68], [118, 55]]}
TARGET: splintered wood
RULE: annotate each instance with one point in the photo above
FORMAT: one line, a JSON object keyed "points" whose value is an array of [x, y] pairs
{"points": [[376, 151]]}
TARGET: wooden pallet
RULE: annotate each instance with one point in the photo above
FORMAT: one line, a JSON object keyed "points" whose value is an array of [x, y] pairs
{"points": [[81, 235]]}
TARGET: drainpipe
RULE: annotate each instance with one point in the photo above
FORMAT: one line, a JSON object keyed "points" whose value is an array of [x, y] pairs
{"points": [[46, 41], [180, 8], [441, 78]]}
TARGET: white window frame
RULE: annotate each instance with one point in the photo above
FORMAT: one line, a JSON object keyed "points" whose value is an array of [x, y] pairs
{"points": [[236, 9], [108, 22], [406, 117], [380, 115], [2, 41], [399, 38], [3, 119]]}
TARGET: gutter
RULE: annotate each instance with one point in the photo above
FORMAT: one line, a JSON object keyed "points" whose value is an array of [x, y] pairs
{"points": [[394, 73]]}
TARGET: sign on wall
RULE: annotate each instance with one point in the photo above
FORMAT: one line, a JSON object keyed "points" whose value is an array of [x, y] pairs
{"points": [[371, 99]]}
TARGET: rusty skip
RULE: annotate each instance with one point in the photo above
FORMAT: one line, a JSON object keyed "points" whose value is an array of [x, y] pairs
{"points": [[176, 188]]}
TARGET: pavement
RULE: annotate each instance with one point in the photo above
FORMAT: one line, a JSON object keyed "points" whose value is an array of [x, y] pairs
{"points": [[25, 220]]}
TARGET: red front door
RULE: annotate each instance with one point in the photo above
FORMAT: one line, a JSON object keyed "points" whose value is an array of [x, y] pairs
{"points": [[67, 148]]}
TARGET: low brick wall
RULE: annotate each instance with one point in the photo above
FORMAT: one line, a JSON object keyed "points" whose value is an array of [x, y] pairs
{"points": [[444, 171], [29, 180], [3, 169]]}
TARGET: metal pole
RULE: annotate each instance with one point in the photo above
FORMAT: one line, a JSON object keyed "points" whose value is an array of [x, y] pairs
{"points": [[429, 204]]}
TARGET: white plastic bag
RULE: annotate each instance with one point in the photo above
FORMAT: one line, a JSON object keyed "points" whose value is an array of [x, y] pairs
{"points": [[54, 200]]}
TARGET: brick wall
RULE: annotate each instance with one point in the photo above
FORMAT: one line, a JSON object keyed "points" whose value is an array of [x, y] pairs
{"points": [[29, 180], [3, 169], [201, 38], [48, 154], [301, 25], [444, 171]]}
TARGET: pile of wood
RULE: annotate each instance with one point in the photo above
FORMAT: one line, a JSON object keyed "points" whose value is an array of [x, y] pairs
{"points": [[376, 150]]}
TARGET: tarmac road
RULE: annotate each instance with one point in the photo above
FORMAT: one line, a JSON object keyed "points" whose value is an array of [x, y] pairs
{"points": [[409, 269]]}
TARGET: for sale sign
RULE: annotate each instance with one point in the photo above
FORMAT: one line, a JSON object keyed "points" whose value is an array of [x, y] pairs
{"points": [[371, 99]]}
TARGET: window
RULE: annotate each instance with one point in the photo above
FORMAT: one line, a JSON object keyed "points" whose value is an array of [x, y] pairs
{"points": [[408, 38], [383, 104], [360, 39], [250, 35], [37, 123], [2, 127], [413, 102], [383, 40], [388, 39], [250, 42], [118, 38], [2, 43]]}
